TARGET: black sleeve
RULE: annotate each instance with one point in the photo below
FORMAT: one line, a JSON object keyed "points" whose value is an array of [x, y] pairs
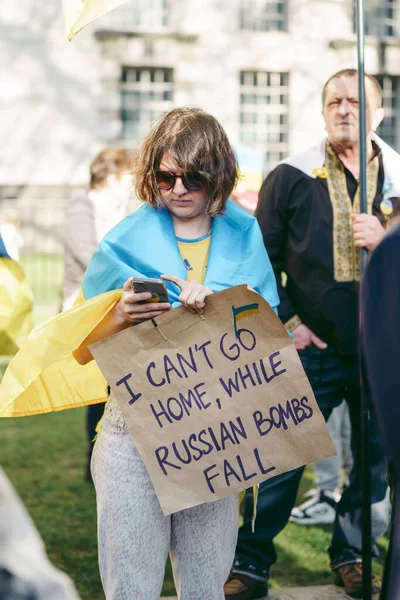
{"points": [[271, 213]]}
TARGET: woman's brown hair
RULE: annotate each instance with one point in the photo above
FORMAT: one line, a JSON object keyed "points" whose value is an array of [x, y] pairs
{"points": [[196, 142]]}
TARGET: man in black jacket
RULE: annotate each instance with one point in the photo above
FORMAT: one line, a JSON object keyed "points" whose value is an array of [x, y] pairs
{"points": [[309, 213]]}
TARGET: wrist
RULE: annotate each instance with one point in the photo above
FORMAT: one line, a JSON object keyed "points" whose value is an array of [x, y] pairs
{"points": [[292, 323], [119, 314]]}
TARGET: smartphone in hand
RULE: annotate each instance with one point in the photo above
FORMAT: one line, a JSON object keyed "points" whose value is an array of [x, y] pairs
{"points": [[154, 286]]}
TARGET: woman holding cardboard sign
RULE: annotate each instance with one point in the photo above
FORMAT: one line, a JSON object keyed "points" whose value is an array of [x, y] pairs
{"points": [[198, 243]]}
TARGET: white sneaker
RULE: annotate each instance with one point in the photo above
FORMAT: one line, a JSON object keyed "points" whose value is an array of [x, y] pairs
{"points": [[319, 510]]}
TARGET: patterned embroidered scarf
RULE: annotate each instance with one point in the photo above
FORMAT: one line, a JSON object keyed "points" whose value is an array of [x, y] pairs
{"points": [[346, 258]]}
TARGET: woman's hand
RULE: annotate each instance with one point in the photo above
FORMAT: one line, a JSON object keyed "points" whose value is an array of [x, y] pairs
{"points": [[130, 309], [125, 312], [193, 294]]}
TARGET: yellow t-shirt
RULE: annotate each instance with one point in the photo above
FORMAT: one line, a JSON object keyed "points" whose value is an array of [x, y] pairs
{"points": [[194, 254]]}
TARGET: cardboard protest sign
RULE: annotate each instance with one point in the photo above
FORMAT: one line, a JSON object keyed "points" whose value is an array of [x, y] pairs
{"points": [[217, 403]]}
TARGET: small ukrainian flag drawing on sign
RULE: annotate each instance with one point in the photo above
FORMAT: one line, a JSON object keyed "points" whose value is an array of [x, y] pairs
{"points": [[243, 311]]}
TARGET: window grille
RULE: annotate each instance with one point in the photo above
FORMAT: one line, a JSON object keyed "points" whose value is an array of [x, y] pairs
{"points": [[146, 93], [264, 113], [139, 14], [264, 15], [380, 17], [389, 130]]}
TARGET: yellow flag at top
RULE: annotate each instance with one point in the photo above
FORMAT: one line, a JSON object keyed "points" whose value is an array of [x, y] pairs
{"points": [[79, 13]]}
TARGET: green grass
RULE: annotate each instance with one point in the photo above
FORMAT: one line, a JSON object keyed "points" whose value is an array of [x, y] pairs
{"points": [[45, 275], [44, 457]]}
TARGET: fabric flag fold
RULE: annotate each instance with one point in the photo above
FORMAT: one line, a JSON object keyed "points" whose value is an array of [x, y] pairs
{"points": [[44, 376], [79, 13]]}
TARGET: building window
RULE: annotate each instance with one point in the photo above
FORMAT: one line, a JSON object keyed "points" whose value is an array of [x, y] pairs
{"points": [[263, 15], [380, 17], [146, 93], [140, 14], [389, 130], [264, 118]]}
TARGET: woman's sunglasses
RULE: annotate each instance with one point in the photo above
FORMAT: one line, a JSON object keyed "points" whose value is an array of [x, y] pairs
{"points": [[191, 181]]}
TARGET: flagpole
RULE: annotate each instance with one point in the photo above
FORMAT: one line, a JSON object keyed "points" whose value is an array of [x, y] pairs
{"points": [[365, 416]]}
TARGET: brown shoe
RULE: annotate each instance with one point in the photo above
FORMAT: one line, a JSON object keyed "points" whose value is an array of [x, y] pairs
{"points": [[350, 577], [244, 587]]}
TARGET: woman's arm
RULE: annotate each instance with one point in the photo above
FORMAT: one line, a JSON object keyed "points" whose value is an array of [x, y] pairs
{"points": [[126, 312], [113, 322]]}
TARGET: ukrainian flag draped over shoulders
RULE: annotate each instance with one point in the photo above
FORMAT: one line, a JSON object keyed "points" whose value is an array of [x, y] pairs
{"points": [[144, 244], [45, 377]]}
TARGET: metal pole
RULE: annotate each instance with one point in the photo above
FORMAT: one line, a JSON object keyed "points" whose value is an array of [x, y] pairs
{"points": [[365, 416]]}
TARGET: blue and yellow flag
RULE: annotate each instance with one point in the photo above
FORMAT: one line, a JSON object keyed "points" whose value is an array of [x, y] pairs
{"points": [[45, 377], [79, 13]]}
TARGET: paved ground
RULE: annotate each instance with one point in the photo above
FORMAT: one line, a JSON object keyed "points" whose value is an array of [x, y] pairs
{"points": [[326, 592]]}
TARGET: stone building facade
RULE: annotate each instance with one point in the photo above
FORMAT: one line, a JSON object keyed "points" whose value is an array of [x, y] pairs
{"points": [[257, 65]]}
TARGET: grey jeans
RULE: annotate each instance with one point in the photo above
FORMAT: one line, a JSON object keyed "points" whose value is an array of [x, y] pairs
{"points": [[328, 471], [135, 537]]}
